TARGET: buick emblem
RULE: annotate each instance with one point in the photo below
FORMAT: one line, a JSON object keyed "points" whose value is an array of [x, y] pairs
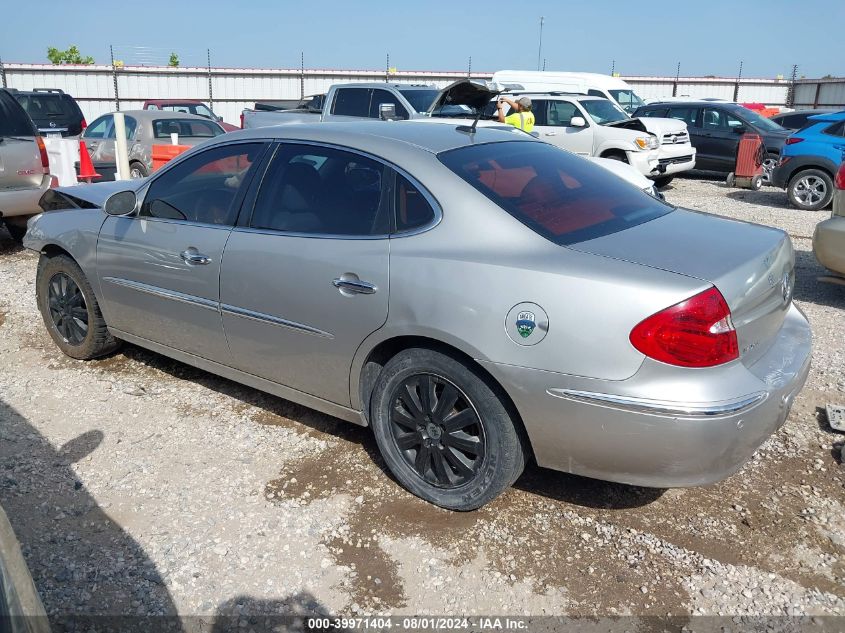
{"points": [[525, 323], [786, 288]]}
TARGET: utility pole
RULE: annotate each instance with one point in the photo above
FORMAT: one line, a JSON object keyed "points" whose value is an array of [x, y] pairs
{"points": [[387, 70], [544, 64], [540, 46], [736, 85], [613, 68], [469, 67], [210, 89], [675, 85], [302, 74], [790, 95], [3, 72], [114, 78]]}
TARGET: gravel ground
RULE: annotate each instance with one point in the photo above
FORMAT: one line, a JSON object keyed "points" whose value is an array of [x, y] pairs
{"points": [[138, 485]]}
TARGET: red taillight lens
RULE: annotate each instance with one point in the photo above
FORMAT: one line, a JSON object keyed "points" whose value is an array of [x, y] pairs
{"points": [[697, 332], [840, 177], [42, 149], [792, 140], [84, 124]]}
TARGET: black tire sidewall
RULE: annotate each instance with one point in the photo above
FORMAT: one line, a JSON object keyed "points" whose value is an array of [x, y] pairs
{"points": [[663, 181], [790, 189], [504, 458], [140, 167], [97, 342]]}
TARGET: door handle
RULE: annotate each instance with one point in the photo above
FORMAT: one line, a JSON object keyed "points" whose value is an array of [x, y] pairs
{"points": [[194, 258], [354, 285], [550, 133]]}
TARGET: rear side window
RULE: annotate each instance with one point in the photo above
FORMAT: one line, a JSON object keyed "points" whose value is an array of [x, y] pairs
{"points": [[412, 208], [189, 128], [352, 102], [687, 115], [837, 129], [129, 123], [383, 96], [560, 196], [658, 113], [13, 119]]}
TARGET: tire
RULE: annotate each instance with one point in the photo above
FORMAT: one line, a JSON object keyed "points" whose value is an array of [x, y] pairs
{"points": [[137, 170], [730, 181], [462, 468], [616, 156], [810, 189], [663, 181], [757, 183], [74, 321], [17, 231], [769, 164]]}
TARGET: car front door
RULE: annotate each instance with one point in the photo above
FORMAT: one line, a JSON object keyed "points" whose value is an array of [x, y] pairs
{"points": [[159, 270], [557, 127], [305, 280], [720, 132]]}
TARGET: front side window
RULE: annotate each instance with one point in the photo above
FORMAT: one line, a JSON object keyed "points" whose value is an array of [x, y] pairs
{"points": [[383, 96], [129, 123], [719, 120], [628, 99], [99, 128], [322, 191], [603, 111], [687, 115], [189, 128], [561, 113], [352, 102], [558, 195], [13, 118], [204, 187], [658, 113]]}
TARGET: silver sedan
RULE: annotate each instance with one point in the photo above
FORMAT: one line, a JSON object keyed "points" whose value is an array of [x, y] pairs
{"points": [[479, 298]]}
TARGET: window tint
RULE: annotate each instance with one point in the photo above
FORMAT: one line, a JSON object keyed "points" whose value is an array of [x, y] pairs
{"points": [[321, 190], [540, 109], [204, 187], [412, 209], [99, 128], [557, 194], [190, 128], [383, 96], [420, 100], [686, 114], [719, 120], [13, 118], [596, 93], [603, 111], [837, 129], [130, 124], [46, 106], [628, 99], [352, 102], [561, 113]]}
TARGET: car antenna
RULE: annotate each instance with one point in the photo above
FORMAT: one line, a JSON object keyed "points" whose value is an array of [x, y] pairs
{"points": [[470, 129]]}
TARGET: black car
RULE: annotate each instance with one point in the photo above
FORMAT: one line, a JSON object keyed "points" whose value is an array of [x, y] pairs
{"points": [[52, 110], [797, 119], [715, 129]]}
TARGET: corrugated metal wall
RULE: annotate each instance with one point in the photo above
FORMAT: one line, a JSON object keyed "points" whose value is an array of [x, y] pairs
{"points": [[234, 89]]}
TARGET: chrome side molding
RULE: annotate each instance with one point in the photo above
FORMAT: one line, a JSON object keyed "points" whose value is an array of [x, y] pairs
{"points": [[662, 407]]}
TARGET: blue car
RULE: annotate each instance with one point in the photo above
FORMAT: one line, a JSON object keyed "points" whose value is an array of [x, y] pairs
{"points": [[809, 160]]}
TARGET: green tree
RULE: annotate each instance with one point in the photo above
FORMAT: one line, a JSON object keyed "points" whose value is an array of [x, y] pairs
{"points": [[174, 60], [69, 56]]}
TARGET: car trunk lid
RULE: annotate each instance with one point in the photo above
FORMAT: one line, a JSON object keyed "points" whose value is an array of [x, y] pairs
{"points": [[751, 265]]}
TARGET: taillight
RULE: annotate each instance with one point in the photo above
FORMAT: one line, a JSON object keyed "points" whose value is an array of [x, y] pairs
{"points": [[84, 124], [697, 332], [792, 140], [45, 161], [242, 120], [840, 177]]}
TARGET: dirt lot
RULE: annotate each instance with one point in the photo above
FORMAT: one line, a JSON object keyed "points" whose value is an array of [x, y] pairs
{"points": [[140, 485]]}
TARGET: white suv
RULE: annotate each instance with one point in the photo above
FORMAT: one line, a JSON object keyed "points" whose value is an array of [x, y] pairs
{"points": [[593, 126]]}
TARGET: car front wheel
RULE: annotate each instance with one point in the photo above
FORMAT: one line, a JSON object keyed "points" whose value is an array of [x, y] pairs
{"points": [[443, 431], [70, 309], [810, 189]]}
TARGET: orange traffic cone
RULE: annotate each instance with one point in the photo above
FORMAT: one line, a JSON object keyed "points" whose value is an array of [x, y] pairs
{"points": [[86, 167]]}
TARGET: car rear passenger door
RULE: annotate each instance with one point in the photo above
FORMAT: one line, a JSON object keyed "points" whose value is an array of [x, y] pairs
{"points": [[159, 270], [305, 279], [720, 132]]}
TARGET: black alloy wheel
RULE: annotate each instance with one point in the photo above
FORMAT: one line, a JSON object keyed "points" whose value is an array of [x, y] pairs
{"points": [[437, 430], [67, 308]]}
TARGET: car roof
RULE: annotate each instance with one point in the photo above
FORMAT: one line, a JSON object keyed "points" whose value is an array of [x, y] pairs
{"points": [[381, 84], [695, 102], [829, 116], [375, 136], [157, 115], [160, 101]]}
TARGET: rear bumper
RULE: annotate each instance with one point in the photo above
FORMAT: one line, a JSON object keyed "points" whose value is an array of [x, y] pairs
{"points": [[829, 243], [673, 159], [631, 432], [23, 202]]}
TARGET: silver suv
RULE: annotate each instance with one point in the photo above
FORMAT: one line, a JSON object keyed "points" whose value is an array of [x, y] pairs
{"points": [[24, 168]]}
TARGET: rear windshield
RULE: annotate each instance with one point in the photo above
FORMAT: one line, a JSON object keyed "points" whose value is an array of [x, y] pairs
{"points": [[188, 128], [13, 119], [47, 106], [559, 195]]}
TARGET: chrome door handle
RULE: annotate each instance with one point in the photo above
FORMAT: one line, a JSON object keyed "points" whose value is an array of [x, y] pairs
{"points": [[550, 133], [194, 258], [354, 285]]}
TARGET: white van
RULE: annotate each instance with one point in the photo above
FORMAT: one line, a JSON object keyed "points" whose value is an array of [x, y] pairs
{"points": [[593, 84]]}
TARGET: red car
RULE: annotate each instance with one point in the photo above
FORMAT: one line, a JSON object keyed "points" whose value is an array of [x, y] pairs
{"points": [[190, 106]]}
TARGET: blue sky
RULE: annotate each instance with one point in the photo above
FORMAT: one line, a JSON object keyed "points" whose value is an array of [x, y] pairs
{"points": [[647, 38]]}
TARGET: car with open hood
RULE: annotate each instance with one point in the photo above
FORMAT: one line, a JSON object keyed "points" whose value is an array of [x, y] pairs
{"points": [[476, 297]]}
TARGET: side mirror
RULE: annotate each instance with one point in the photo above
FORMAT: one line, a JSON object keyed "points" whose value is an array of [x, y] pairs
{"points": [[577, 121], [122, 203], [387, 112]]}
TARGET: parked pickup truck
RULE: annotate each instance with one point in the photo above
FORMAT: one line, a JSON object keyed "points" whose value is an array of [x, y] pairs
{"points": [[350, 102]]}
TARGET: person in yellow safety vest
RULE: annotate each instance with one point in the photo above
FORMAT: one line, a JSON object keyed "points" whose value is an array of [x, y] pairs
{"points": [[520, 117]]}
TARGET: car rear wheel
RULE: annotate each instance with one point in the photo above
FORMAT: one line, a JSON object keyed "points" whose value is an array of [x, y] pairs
{"points": [[137, 171], [443, 431], [70, 309], [810, 189], [663, 181], [769, 164]]}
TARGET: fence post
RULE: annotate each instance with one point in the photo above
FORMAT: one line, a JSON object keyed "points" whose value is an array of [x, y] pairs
{"points": [[210, 89], [3, 73], [114, 79]]}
